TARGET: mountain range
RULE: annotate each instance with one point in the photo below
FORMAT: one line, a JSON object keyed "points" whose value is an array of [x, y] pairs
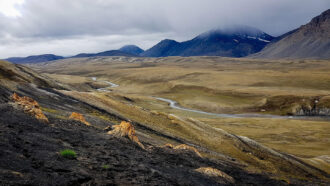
{"points": [[309, 41], [237, 41], [34, 59], [105, 53]]}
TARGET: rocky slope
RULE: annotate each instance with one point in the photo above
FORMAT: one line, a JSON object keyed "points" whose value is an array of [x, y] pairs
{"points": [[237, 41], [309, 41], [30, 148], [128, 155]]}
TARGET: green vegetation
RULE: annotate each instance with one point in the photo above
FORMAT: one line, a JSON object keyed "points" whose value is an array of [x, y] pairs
{"points": [[106, 166], [69, 154], [49, 110]]}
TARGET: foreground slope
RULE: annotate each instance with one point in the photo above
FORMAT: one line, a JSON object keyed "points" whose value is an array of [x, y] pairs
{"points": [[30, 148], [191, 79], [309, 41]]}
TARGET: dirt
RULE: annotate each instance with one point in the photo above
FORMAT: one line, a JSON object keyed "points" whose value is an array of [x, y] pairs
{"points": [[30, 149]]}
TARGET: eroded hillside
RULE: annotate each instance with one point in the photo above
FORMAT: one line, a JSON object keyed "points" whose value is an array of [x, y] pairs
{"points": [[158, 127]]}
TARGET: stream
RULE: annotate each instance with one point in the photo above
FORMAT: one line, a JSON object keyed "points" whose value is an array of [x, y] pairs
{"points": [[105, 89], [175, 105]]}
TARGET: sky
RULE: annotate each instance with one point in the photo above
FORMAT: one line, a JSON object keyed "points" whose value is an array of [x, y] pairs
{"points": [[69, 27]]}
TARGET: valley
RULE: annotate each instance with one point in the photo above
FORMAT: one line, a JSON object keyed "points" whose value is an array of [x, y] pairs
{"points": [[164, 93], [267, 94]]}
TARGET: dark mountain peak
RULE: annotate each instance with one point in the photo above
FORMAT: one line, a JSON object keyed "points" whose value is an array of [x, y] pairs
{"points": [[235, 41], [131, 49], [236, 30], [34, 58], [324, 17], [161, 49], [308, 41], [168, 41]]}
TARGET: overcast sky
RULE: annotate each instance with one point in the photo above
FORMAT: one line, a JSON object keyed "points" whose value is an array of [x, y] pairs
{"points": [[67, 27]]}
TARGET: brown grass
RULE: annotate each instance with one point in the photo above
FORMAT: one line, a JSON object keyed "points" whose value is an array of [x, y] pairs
{"points": [[213, 84]]}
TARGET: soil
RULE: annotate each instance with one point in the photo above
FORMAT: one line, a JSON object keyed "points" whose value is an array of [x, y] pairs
{"points": [[30, 149]]}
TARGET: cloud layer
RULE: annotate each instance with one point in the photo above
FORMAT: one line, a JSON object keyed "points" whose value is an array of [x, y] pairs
{"points": [[68, 27]]}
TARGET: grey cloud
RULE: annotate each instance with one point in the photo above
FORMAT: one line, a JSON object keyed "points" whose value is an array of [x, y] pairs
{"points": [[56, 26]]}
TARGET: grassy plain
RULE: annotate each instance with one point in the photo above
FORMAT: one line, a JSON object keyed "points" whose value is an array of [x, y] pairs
{"points": [[212, 84]]}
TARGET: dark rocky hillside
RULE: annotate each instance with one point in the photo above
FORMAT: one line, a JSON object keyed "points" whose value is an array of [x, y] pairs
{"points": [[309, 41], [30, 148], [30, 156]]}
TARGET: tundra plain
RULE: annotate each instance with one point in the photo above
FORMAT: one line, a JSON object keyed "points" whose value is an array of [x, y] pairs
{"points": [[231, 86]]}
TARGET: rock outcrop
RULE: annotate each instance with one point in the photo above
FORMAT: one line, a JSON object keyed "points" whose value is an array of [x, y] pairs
{"points": [[30, 106], [79, 117], [183, 147], [126, 129], [212, 172]]}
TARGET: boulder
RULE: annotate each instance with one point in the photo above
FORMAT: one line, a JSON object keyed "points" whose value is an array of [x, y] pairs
{"points": [[79, 117], [126, 129], [30, 106], [212, 172]]}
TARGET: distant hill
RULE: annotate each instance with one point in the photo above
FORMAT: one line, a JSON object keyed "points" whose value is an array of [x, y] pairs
{"points": [[309, 41], [131, 49], [105, 53], [52, 57], [166, 47], [34, 59], [237, 41]]}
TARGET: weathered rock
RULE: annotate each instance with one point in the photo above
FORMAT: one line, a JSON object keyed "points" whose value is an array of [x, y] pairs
{"points": [[125, 129], [212, 172], [79, 117], [187, 147], [183, 147], [168, 145], [107, 129], [30, 106]]}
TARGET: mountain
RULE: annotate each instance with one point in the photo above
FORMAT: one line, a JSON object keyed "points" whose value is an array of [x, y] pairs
{"points": [[164, 48], [34, 59], [105, 53], [52, 57], [238, 41], [131, 49], [309, 41]]}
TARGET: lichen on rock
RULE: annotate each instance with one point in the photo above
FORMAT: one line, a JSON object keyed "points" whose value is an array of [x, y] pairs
{"points": [[126, 129], [30, 106], [79, 117], [183, 147], [212, 172]]}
